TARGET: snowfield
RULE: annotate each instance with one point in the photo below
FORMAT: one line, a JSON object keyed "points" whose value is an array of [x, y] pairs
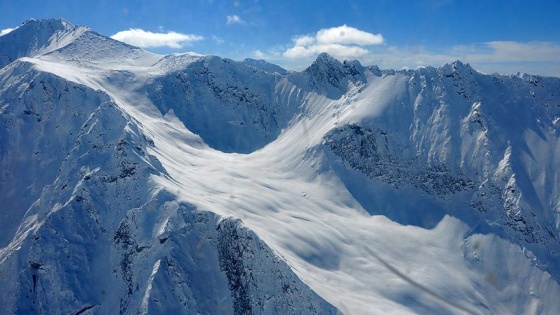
{"points": [[140, 183]]}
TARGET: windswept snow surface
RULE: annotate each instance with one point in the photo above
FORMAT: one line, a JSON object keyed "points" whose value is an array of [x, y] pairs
{"points": [[381, 191]]}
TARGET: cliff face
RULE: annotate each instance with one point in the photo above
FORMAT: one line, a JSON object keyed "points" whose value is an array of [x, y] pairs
{"points": [[138, 183], [484, 148]]}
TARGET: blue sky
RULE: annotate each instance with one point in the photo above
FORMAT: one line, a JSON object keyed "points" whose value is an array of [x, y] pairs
{"points": [[493, 36]]}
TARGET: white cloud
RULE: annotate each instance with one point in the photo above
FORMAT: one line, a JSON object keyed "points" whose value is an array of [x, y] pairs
{"points": [[508, 51], [336, 50], [302, 41], [234, 19], [145, 39], [504, 57], [259, 54], [341, 42], [348, 35], [6, 31], [273, 55]]}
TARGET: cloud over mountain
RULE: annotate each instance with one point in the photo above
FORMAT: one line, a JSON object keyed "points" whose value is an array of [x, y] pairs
{"points": [[147, 39], [342, 42]]}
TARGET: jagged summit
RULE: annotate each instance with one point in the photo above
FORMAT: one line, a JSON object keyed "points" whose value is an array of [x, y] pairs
{"points": [[332, 77], [324, 60], [457, 67]]}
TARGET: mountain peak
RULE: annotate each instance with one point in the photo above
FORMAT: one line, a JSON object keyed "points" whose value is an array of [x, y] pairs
{"points": [[47, 24], [323, 62], [459, 64], [33, 37], [456, 67], [326, 59], [327, 71]]}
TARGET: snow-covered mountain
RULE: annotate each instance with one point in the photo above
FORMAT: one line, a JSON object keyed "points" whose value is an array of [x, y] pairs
{"points": [[137, 183]]}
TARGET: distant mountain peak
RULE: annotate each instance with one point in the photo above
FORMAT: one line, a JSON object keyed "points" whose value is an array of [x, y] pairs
{"points": [[324, 63], [325, 58], [457, 68], [458, 65]]}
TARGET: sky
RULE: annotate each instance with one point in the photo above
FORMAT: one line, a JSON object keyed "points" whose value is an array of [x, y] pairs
{"points": [[493, 36]]}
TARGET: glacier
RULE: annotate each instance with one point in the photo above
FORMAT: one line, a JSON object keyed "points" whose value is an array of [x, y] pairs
{"points": [[133, 182]]}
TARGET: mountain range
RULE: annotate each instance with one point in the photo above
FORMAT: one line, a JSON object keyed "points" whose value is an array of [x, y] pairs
{"points": [[132, 182]]}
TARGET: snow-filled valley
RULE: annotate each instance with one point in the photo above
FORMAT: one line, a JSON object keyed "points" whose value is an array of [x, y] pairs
{"points": [[138, 183]]}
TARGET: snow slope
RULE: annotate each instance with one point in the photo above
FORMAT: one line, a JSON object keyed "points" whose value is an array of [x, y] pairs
{"points": [[195, 184]]}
